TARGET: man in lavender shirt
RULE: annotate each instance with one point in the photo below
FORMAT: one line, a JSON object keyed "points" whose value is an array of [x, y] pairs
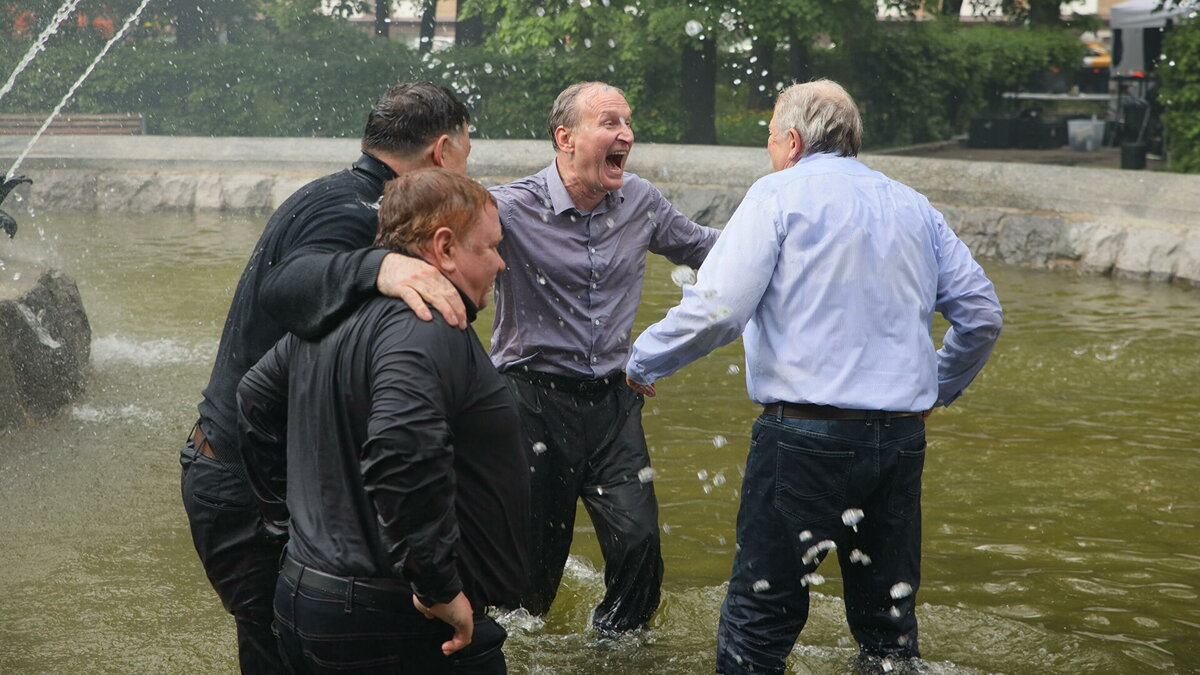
{"points": [[575, 241]]}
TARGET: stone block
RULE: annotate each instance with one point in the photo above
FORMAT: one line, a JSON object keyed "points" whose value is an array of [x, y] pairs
{"points": [[1026, 238], [247, 192], [127, 191], [977, 228], [711, 206], [69, 191], [1149, 252], [286, 186], [1099, 244], [45, 344], [208, 191], [1187, 264]]}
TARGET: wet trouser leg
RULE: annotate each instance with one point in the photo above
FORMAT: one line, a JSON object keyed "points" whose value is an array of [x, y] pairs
{"points": [[591, 445], [624, 511], [801, 477], [240, 560]]}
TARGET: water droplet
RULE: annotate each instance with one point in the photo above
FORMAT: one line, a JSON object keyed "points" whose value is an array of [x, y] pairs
{"points": [[900, 590], [647, 474], [719, 441], [542, 281], [693, 28], [599, 490], [857, 556], [666, 528], [733, 369], [545, 217], [540, 11], [683, 276], [708, 489], [585, 3], [16, 276], [812, 579], [487, 68], [895, 612], [719, 479], [702, 474], [611, 43], [539, 448], [762, 585], [587, 42], [851, 517], [806, 535]]}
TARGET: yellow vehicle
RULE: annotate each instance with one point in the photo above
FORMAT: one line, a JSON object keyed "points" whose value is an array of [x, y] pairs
{"points": [[1097, 56]]}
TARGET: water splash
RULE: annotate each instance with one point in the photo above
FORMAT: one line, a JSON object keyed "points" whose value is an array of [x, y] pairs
{"points": [[40, 43], [71, 92]]}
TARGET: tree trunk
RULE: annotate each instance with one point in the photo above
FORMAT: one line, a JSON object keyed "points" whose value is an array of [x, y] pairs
{"points": [[1044, 13], [382, 10], [189, 23], [468, 31], [428, 25], [762, 86], [952, 8], [799, 59], [699, 92]]}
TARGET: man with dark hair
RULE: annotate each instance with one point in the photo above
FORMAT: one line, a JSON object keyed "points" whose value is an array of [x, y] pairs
{"points": [[320, 232], [575, 240], [405, 482], [833, 272]]}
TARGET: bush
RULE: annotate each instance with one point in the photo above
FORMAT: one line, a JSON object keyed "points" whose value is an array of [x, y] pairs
{"points": [[914, 82], [1179, 73]]}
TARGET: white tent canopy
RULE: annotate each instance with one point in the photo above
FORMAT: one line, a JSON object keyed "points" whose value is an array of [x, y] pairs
{"points": [[1142, 14], [1137, 27]]}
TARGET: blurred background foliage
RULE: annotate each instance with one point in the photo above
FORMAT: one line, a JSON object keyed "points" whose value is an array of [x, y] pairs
{"points": [[704, 71]]}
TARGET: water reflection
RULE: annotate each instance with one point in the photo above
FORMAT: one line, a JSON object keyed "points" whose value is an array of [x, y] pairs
{"points": [[1060, 510]]}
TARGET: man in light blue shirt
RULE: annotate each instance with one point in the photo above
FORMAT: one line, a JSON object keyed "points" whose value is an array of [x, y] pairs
{"points": [[832, 272]]}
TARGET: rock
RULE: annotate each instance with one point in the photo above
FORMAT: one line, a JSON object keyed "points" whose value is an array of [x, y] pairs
{"points": [[45, 344]]}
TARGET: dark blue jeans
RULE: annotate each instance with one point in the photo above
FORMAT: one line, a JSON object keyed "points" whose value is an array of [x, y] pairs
{"points": [[802, 477], [320, 633]]}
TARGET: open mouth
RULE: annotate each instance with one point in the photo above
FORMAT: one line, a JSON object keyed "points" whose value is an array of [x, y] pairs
{"points": [[615, 162]]}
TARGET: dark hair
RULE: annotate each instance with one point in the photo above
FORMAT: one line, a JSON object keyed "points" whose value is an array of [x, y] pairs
{"points": [[410, 116], [419, 202], [565, 111]]}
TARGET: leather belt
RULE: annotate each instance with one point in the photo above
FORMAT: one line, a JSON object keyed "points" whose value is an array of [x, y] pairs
{"points": [[200, 442], [570, 385], [392, 594], [812, 411]]}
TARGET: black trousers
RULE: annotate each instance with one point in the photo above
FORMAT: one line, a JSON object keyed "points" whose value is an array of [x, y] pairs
{"points": [[590, 444], [239, 558]]}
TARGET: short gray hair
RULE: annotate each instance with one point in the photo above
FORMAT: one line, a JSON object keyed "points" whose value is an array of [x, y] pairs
{"points": [[565, 112], [824, 115]]}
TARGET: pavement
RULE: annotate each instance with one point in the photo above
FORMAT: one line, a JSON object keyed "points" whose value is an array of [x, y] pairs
{"points": [[1101, 158]]}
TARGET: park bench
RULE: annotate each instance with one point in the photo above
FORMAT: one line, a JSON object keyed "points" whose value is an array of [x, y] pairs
{"points": [[25, 124]]}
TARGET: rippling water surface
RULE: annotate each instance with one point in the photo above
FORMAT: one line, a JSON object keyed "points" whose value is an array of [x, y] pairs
{"points": [[1060, 506]]}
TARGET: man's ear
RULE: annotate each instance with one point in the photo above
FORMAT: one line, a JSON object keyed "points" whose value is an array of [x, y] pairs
{"points": [[437, 150], [564, 139], [441, 247], [797, 143]]}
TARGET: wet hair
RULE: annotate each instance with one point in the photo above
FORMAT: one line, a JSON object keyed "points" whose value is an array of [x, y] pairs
{"points": [[418, 203], [410, 116], [565, 112], [824, 115]]}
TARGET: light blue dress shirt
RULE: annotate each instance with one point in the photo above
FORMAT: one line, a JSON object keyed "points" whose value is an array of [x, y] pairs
{"points": [[833, 272]]}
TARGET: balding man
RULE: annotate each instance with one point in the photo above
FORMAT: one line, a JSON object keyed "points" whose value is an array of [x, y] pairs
{"points": [[833, 272], [575, 241]]}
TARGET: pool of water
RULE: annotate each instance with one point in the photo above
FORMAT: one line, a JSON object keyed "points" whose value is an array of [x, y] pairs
{"points": [[1060, 507]]}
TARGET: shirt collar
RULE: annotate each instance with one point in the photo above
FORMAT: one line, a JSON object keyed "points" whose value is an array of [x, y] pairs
{"points": [[560, 199], [374, 167], [472, 310]]}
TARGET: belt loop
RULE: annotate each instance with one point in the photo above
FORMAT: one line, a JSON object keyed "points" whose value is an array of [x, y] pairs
{"points": [[349, 597], [299, 578], [779, 412]]}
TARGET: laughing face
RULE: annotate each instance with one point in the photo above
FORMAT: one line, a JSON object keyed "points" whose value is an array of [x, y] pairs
{"points": [[592, 156]]}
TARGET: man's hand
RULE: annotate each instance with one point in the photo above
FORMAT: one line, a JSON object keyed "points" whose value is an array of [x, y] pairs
{"points": [[643, 389], [458, 614], [420, 284]]}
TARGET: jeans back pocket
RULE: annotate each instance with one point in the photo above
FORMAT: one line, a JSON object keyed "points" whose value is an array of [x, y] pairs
{"points": [[811, 481]]}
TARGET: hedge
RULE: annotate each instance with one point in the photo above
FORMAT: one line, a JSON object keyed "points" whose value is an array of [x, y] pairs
{"points": [[914, 81], [1179, 95]]}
